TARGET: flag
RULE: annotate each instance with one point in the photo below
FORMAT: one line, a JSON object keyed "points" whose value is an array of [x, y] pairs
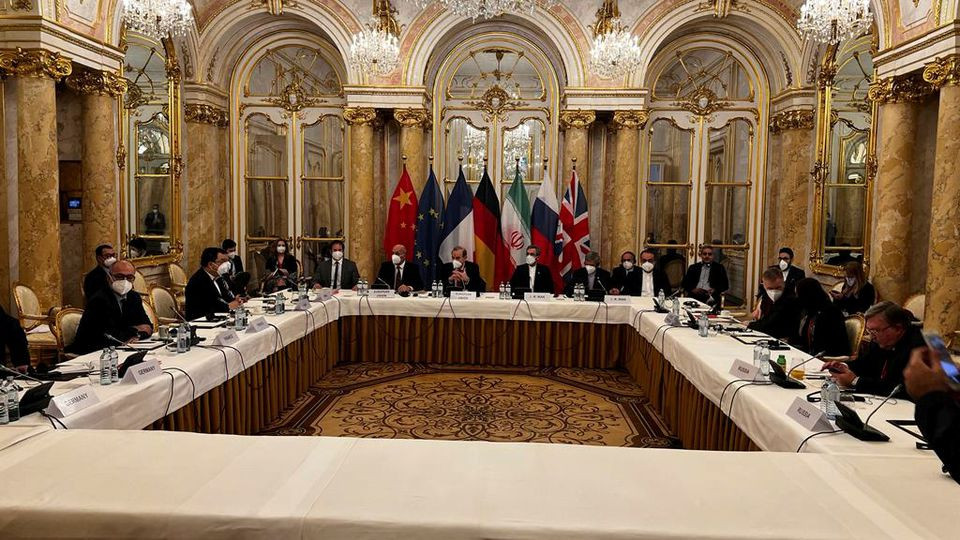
{"points": [[486, 228], [515, 226], [457, 219], [429, 228], [574, 229], [401, 216], [543, 228]]}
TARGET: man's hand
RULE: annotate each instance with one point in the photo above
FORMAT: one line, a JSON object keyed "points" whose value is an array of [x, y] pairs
{"points": [[614, 291], [460, 275], [841, 373], [145, 328], [924, 374], [404, 288], [756, 313], [235, 303]]}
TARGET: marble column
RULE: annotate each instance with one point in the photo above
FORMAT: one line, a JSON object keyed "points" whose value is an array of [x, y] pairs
{"points": [[576, 127], [771, 197], [362, 243], [942, 313], [5, 255], [101, 204], [206, 205], [413, 127], [792, 214], [607, 255], [623, 200], [35, 73]]}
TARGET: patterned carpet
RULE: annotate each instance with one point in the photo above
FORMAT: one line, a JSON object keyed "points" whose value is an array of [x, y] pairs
{"points": [[417, 401]]}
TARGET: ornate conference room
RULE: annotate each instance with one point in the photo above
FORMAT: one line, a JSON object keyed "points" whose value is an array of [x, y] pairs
{"points": [[479, 268]]}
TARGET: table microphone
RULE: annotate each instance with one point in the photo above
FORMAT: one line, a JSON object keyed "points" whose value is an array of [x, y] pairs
{"points": [[849, 420], [782, 379], [18, 374]]}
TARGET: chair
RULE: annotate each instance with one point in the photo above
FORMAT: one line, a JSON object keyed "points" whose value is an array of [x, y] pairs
{"points": [[855, 325], [164, 305], [178, 281], [916, 304], [41, 342], [152, 315], [65, 329], [837, 287], [674, 271], [140, 283]]}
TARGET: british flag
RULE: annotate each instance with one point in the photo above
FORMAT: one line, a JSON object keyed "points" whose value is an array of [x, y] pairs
{"points": [[573, 231]]}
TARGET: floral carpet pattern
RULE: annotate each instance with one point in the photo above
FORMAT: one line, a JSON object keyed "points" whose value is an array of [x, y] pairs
{"points": [[418, 401]]}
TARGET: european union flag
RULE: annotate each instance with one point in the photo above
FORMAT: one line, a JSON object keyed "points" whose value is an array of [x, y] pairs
{"points": [[429, 228]]}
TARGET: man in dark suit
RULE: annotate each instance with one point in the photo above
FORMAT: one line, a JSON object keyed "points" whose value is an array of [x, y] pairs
{"points": [[98, 279], [117, 312], [591, 276], [396, 274], [460, 274], [938, 407], [236, 278], [791, 274], [207, 293], [14, 339], [532, 276], [778, 313], [706, 280], [336, 272], [648, 280]]}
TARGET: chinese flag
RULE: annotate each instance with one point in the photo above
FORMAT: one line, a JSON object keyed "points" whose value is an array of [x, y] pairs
{"points": [[401, 216]]}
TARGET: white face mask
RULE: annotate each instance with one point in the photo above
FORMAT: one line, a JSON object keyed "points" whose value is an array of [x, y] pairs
{"points": [[591, 269], [531, 260], [224, 268], [783, 265], [108, 262], [851, 281], [281, 249], [231, 254], [396, 259], [774, 294], [121, 286], [457, 264], [647, 266], [627, 265], [337, 255]]}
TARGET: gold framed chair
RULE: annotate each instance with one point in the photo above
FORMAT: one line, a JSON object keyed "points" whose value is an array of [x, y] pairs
{"points": [[42, 344], [674, 270], [916, 304], [164, 305], [140, 284], [65, 329], [178, 281], [152, 315], [856, 326]]}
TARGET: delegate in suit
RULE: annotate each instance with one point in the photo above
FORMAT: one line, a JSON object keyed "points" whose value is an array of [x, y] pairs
{"points": [[591, 276], [396, 274], [118, 313], [207, 292], [336, 272], [460, 274], [532, 276]]}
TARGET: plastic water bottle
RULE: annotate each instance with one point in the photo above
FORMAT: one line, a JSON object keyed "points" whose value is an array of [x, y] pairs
{"points": [[4, 415], [765, 361], [13, 400], [704, 325], [278, 304], [661, 297], [183, 338], [675, 308], [503, 290], [105, 366], [301, 291], [509, 291], [114, 365], [364, 288], [829, 395]]}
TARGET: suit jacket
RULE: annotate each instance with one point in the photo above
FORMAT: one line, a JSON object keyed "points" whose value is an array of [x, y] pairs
{"points": [[411, 276], [203, 298], [103, 315], [477, 284], [236, 265], [779, 319], [631, 283], [880, 370], [349, 275], [794, 275], [14, 338], [601, 281], [289, 264], [858, 303], [824, 330], [95, 281], [718, 279], [542, 280], [938, 417]]}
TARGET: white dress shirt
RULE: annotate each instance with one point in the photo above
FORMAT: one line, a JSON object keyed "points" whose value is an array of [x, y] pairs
{"points": [[647, 288], [533, 274]]}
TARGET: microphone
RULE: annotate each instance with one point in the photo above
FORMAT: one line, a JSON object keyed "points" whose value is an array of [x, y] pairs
{"points": [[783, 379], [849, 420], [115, 340], [18, 374]]}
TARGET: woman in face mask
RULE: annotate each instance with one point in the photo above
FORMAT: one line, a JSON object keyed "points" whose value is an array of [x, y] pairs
{"points": [[282, 267], [822, 326], [857, 294]]}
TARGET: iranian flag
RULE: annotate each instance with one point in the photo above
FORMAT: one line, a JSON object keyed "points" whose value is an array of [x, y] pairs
{"points": [[515, 224]]}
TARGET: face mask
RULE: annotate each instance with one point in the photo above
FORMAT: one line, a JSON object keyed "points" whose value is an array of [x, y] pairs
{"points": [[647, 266], [337, 255], [457, 264], [851, 281], [231, 254], [775, 294], [224, 268], [783, 265], [108, 262], [531, 260], [281, 249], [396, 259], [590, 268], [627, 265], [121, 286]]}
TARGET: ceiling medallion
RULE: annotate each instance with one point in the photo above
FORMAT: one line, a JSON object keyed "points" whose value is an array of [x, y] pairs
{"points": [[702, 102], [494, 102], [833, 21], [158, 19], [487, 9], [376, 48], [616, 51]]}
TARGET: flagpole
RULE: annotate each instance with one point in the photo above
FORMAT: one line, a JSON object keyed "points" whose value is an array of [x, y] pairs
{"points": [[574, 158]]}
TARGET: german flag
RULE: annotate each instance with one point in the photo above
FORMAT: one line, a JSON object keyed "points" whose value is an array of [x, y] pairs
{"points": [[486, 228]]}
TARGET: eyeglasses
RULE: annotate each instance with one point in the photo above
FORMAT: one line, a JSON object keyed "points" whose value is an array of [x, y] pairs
{"points": [[128, 277], [875, 331]]}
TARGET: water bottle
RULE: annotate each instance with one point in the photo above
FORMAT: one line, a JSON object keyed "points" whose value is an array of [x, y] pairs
{"points": [[238, 319], [278, 304], [704, 325], [829, 395], [765, 361], [114, 365], [675, 308], [302, 291], [4, 415], [13, 400], [503, 291], [509, 291], [364, 288], [183, 338], [661, 298], [438, 289], [105, 367]]}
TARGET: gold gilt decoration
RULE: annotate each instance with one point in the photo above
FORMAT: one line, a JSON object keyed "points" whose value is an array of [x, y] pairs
{"points": [[22, 5], [576, 119], [104, 83], [826, 75], [293, 98], [200, 113], [787, 120], [702, 102], [494, 102], [412, 117], [630, 119], [608, 15], [33, 63], [943, 71], [906, 88], [274, 7], [360, 116]]}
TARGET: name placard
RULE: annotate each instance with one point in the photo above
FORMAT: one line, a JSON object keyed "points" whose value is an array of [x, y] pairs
{"points": [[744, 371], [382, 293], [72, 402], [144, 371], [324, 294], [616, 299], [227, 337], [463, 295], [303, 304], [537, 296], [808, 415], [257, 325]]}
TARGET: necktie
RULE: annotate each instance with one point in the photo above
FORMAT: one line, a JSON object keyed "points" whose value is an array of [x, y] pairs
{"points": [[396, 278], [336, 275]]}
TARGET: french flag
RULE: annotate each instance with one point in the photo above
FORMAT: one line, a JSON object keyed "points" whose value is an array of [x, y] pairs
{"points": [[544, 222], [574, 230]]}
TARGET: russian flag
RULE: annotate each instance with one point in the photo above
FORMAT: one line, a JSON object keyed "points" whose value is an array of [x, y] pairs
{"points": [[544, 222]]}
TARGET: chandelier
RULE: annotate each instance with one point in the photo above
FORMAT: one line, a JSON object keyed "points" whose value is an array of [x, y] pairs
{"points": [[158, 19], [615, 52], [376, 48], [486, 9], [832, 21]]}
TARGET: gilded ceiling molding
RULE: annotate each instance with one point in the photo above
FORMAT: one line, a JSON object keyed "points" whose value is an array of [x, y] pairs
{"points": [[943, 71], [630, 119], [787, 120], [200, 113], [906, 88], [34, 63], [360, 116], [92, 81], [412, 117], [577, 119]]}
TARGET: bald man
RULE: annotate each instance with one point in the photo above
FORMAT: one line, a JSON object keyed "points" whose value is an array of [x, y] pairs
{"points": [[396, 274], [117, 312]]}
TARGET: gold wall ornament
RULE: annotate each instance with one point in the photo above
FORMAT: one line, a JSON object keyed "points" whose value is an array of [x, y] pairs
{"points": [[943, 71], [274, 7], [22, 5], [360, 116], [90, 81], [121, 156], [702, 102], [201, 113], [796, 119], [906, 88], [494, 102], [608, 15], [826, 74], [577, 118], [293, 98], [630, 119], [34, 63], [412, 117]]}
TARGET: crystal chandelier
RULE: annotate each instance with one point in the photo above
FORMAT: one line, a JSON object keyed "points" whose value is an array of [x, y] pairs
{"points": [[615, 52], [376, 48], [832, 21], [158, 19], [486, 9]]}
